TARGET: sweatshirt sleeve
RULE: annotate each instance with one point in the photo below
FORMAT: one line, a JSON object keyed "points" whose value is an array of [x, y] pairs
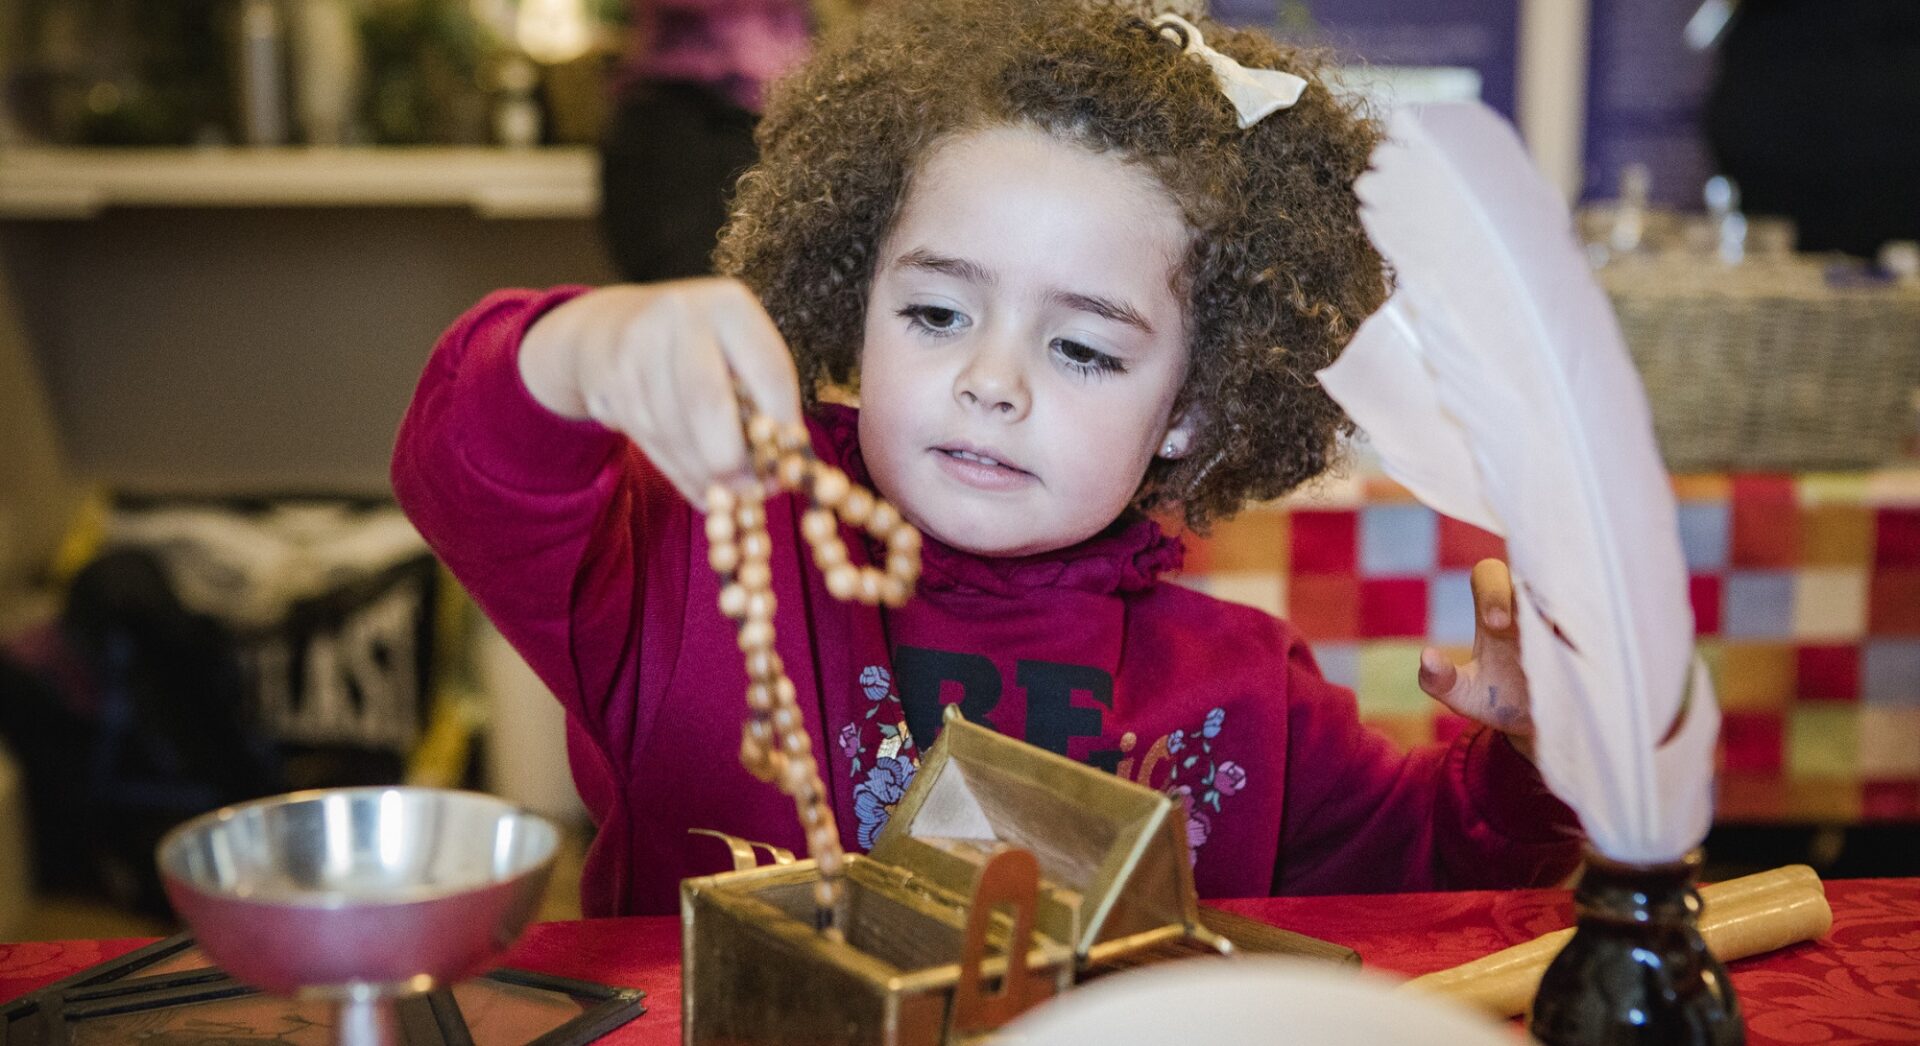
{"points": [[563, 532], [1363, 816]]}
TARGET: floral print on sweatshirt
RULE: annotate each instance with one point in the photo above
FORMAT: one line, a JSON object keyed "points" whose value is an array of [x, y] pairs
{"points": [[1193, 774], [879, 786]]}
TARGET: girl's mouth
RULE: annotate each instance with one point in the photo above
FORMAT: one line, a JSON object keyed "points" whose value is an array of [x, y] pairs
{"points": [[967, 455], [978, 468]]}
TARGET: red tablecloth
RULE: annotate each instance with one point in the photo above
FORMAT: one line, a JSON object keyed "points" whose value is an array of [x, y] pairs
{"points": [[1858, 984]]}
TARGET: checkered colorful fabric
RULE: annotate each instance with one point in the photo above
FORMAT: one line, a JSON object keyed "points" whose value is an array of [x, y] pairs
{"points": [[1806, 597]]}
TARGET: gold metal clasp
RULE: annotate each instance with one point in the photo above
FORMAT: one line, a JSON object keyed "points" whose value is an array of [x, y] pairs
{"points": [[1010, 878], [743, 849]]}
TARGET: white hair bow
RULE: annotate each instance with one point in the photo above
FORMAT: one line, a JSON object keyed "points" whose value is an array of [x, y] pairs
{"points": [[1255, 93]]}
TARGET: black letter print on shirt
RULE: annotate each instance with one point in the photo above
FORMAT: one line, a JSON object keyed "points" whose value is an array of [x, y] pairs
{"points": [[1052, 718], [920, 675]]}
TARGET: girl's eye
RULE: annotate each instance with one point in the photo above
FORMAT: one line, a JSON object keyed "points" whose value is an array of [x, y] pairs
{"points": [[1084, 359], [933, 319]]}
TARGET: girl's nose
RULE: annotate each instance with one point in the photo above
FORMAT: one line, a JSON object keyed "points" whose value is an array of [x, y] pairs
{"points": [[993, 381]]}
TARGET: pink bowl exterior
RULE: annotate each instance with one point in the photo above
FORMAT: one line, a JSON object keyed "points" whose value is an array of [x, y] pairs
{"points": [[289, 949]]}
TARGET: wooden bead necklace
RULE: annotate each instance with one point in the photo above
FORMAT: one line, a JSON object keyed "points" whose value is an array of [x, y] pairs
{"points": [[774, 745]]}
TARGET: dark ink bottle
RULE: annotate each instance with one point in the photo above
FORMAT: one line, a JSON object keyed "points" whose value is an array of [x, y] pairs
{"points": [[1637, 971]]}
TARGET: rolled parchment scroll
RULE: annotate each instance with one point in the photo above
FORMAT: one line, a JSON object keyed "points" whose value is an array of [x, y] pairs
{"points": [[1739, 917]]}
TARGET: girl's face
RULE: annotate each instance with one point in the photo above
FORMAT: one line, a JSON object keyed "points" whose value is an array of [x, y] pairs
{"points": [[1024, 343]]}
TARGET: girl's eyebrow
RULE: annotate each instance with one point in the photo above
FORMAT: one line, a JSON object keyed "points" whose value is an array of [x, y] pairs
{"points": [[960, 268], [973, 272], [1105, 308]]}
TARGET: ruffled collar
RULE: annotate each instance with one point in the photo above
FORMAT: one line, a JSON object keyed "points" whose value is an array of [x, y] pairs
{"points": [[1128, 556]]}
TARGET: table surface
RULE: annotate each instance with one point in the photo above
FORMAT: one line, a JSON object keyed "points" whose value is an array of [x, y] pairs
{"points": [[1858, 984]]}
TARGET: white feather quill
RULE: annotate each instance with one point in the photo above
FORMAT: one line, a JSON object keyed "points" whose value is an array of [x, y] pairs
{"points": [[1496, 386]]}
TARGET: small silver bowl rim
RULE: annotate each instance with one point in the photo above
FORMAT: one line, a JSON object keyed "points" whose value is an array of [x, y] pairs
{"points": [[336, 899]]}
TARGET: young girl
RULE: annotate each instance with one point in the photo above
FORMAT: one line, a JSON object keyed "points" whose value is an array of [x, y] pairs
{"points": [[1069, 288]]}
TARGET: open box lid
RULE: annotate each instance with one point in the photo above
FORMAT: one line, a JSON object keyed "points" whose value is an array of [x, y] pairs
{"points": [[1112, 853]]}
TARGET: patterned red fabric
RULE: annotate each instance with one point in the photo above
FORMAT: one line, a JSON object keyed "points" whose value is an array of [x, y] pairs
{"points": [[1766, 529], [1751, 742], [1897, 537], [1326, 605], [1463, 545], [1858, 984], [1890, 800], [1828, 673], [1324, 542], [1393, 606], [1704, 592], [1805, 589], [1893, 606]]}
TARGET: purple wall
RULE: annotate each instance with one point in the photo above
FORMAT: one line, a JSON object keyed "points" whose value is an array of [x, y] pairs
{"points": [[1482, 34], [1645, 89]]}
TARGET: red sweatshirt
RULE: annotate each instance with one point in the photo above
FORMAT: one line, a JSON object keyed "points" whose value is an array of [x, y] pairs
{"points": [[595, 568]]}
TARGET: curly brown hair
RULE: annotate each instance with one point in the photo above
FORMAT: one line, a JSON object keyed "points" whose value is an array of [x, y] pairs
{"points": [[1279, 272]]}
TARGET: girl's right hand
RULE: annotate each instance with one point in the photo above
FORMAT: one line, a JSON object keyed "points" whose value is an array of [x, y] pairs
{"points": [[659, 362]]}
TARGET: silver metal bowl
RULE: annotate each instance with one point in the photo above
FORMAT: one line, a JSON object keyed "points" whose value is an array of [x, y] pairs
{"points": [[358, 894]]}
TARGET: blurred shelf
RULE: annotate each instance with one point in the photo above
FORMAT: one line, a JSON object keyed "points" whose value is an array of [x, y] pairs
{"points": [[66, 183]]}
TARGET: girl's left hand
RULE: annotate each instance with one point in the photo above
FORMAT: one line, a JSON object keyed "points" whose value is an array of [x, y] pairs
{"points": [[1491, 688]]}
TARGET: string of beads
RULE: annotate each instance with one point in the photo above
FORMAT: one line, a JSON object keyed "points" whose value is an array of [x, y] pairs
{"points": [[774, 745]]}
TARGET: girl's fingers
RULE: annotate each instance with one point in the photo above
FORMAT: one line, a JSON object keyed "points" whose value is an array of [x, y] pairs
{"points": [[1438, 676], [1493, 596], [756, 353], [705, 394], [632, 415], [1482, 696], [618, 397], [668, 365], [1491, 688]]}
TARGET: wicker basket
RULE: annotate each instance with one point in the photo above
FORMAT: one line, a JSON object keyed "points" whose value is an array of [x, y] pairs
{"points": [[1765, 366]]}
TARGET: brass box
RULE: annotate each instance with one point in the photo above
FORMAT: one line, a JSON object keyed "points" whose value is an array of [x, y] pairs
{"points": [[1115, 882]]}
